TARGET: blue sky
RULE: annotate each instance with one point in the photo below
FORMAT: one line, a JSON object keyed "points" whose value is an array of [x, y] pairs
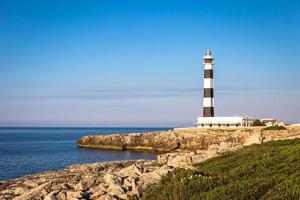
{"points": [[139, 63]]}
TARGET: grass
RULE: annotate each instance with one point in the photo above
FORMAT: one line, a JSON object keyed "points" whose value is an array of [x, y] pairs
{"points": [[275, 128], [267, 171]]}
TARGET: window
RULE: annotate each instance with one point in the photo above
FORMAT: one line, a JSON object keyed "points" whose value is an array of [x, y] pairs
{"points": [[208, 60]]}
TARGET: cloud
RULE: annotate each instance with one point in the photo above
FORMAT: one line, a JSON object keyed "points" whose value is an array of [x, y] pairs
{"points": [[109, 90], [128, 92]]}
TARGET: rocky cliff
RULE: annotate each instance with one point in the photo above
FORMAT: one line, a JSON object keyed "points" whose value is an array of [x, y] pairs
{"points": [[124, 179], [185, 139]]}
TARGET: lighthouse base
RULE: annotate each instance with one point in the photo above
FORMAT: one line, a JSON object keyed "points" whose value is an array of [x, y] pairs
{"points": [[207, 122]]}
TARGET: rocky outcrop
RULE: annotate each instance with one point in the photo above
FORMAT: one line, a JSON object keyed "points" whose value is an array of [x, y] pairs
{"points": [[124, 179], [155, 141], [185, 139], [105, 180]]}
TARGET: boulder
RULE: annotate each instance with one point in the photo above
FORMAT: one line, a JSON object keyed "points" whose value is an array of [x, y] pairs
{"points": [[52, 195], [35, 192], [81, 186], [181, 161], [133, 170], [62, 195], [20, 190], [253, 139], [72, 195], [115, 189], [224, 147], [97, 191]]}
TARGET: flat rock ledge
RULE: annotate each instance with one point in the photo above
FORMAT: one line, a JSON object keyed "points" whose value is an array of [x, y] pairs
{"points": [[184, 139], [118, 180]]}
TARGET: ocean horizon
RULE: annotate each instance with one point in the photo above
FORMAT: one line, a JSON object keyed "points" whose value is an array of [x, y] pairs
{"points": [[29, 150]]}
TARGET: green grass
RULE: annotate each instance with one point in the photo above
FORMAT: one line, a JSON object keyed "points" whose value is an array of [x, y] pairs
{"points": [[275, 128], [267, 171]]}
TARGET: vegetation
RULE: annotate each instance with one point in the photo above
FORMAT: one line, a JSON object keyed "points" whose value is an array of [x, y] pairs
{"points": [[274, 128], [257, 122], [267, 171]]}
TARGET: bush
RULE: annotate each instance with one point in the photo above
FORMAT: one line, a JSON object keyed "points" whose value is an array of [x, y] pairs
{"points": [[267, 171], [257, 122]]}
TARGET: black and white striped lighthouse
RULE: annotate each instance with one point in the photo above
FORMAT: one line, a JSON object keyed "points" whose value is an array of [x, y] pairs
{"points": [[208, 98]]}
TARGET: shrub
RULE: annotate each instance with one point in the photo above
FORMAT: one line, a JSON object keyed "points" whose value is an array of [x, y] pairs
{"points": [[275, 128], [267, 171], [257, 122]]}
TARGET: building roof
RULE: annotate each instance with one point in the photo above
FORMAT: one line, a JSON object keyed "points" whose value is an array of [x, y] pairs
{"points": [[208, 55]]}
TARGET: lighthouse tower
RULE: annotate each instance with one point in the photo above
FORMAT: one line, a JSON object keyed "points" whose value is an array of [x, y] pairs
{"points": [[208, 98], [208, 119]]}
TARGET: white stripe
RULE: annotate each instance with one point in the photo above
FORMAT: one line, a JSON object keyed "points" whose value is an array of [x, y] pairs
{"points": [[208, 102], [208, 66], [208, 83]]}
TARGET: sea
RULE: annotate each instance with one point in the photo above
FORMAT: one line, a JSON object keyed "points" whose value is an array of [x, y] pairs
{"points": [[26, 151]]}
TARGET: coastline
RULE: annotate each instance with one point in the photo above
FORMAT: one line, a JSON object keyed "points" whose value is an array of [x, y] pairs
{"points": [[184, 139], [124, 179]]}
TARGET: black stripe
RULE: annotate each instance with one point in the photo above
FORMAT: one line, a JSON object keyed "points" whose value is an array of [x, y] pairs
{"points": [[209, 92], [208, 111], [208, 73], [208, 60]]}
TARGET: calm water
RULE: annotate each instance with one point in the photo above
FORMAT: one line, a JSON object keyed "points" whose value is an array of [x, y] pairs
{"points": [[25, 151]]}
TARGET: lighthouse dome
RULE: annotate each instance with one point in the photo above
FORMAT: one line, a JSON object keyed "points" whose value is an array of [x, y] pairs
{"points": [[208, 55]]}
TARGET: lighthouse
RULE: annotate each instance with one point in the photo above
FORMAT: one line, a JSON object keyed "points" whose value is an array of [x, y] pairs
{"points": [[208, 94], [209, 119]]}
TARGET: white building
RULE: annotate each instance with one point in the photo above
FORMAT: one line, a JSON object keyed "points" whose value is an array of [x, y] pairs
{"points": [[270, 122], [207, 122]]}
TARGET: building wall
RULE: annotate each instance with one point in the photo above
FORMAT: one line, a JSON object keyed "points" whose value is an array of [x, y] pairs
{"points": [[207, 122]]}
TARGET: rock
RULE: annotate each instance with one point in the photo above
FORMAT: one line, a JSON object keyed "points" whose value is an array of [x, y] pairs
{"points": [[157, 141], [35, 192], [114, 185], [149, 178], [52, 195], [187, 139], [115, 189], [30, 183], [198, 158], [253, 139], [97, 188], [133, 170], [153, 177], [20, 190], [62, 195], [97, 191], [106, 197], [111, 178], [97, 194], [180, 160], [224, 147], [72, 195], [81, 186], [122, 179], [200, 151], [162, 159]]}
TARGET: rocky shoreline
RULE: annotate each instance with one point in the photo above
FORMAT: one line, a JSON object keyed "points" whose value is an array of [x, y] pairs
{"points": [[184, 139], [125, 179]]}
